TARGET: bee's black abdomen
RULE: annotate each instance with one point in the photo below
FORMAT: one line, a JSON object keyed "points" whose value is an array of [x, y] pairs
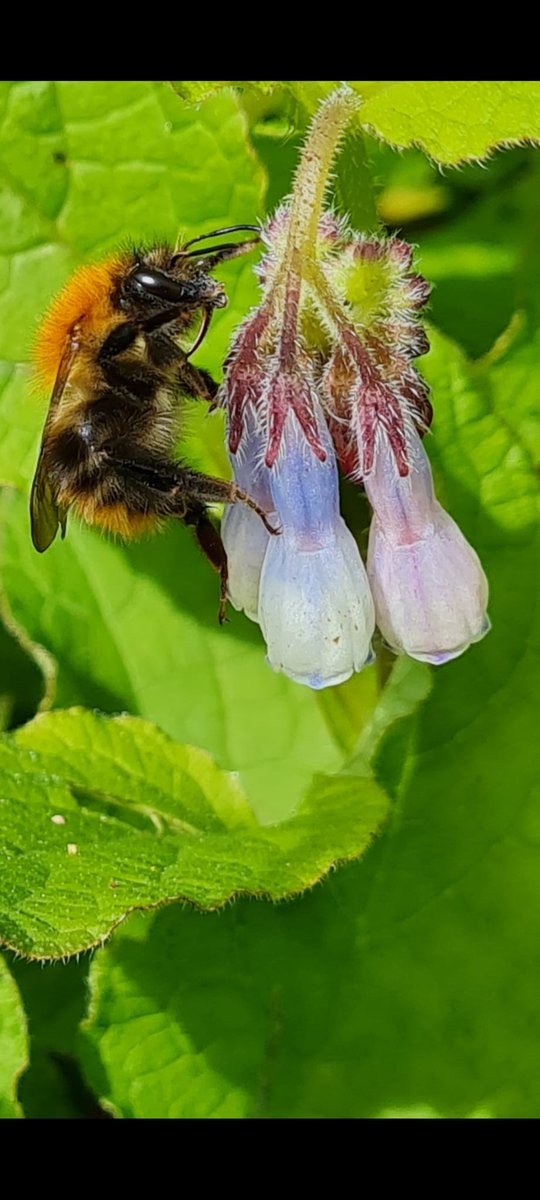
{"points": [[72, 448]]}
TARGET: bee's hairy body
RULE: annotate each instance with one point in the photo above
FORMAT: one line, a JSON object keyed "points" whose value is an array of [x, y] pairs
{"points": [[110, 348]]}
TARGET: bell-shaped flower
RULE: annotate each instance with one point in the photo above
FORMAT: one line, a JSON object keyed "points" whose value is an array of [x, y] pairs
{"points": [[427, 582], [243, 534], [315, 606]]}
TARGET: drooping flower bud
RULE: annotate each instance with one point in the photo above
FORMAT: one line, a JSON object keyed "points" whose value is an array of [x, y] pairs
{"points": [[427, 582], [368, 380], [244, 375]]}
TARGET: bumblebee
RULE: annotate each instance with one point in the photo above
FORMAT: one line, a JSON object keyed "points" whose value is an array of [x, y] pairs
{"points": [[110, 349]]}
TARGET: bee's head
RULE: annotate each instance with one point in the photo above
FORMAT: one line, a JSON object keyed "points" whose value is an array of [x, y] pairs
{"points": [[180, 281]]}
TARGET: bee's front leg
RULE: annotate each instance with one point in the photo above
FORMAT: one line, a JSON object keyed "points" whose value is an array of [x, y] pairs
{"points": [[196, 382]]}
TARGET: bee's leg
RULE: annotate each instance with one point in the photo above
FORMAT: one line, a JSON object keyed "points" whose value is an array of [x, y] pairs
{"points": [[197, 383], [204, 489], [196, 491], [212, 547], [167, 490]]}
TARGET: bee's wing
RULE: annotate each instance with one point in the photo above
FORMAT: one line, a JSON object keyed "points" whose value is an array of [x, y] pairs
{"points": [[45, 513]]}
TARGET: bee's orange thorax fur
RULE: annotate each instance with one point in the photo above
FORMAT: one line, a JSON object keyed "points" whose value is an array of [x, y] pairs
{"points": [[85, 301]]}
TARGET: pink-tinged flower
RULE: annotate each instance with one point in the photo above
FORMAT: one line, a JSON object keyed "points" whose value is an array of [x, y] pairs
{"points": [[427, 582], [315, 606]]}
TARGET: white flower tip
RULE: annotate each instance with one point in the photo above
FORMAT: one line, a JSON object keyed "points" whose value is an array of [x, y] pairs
{"points": [[438, 659], [431, 593], [316, 610], [317, 681]]}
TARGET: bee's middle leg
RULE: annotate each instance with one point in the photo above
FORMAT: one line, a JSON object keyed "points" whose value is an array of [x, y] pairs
{"points": [[164, 489], [204, 489]]}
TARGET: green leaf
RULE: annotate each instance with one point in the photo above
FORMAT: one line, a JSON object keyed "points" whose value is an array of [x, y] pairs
{"points": [[195, 90], [133, 163], [136, 628], [514, 384], [45, 1090], [20, 682], [407, 985], [54, 996], [453, 121], [308, 92], [13, 1043], [480, 255], [113, 816]]}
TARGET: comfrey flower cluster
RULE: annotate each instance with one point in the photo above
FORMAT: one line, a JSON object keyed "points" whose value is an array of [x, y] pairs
{"points": [[322, 373]]}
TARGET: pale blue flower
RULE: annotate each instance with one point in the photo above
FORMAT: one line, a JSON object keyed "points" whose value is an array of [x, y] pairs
{"points": [[314, 605]]}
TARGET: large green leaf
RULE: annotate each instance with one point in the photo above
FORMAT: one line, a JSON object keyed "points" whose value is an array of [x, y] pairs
{"points": [[451, 120], [455, 120], [13, 1043], [136, 628], [99, 816], [85, 166], [54, 997], [408, 985]]}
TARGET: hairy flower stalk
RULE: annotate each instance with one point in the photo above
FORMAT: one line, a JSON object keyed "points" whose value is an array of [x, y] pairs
{"points": [[324, 369]]}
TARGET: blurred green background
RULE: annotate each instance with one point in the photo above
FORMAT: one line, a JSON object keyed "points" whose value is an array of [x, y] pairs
{"points": [[406, 984]]}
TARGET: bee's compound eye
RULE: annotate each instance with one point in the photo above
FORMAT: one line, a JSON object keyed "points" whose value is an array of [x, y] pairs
{"points": [[149, 281]]}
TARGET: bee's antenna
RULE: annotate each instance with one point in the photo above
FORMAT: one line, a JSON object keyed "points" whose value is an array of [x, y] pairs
{"points": [[219, 233], [222, 251]]}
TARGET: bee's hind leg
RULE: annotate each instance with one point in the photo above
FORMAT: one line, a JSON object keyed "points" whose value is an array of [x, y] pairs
{"points": [[212, 547], [199, 490]]}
